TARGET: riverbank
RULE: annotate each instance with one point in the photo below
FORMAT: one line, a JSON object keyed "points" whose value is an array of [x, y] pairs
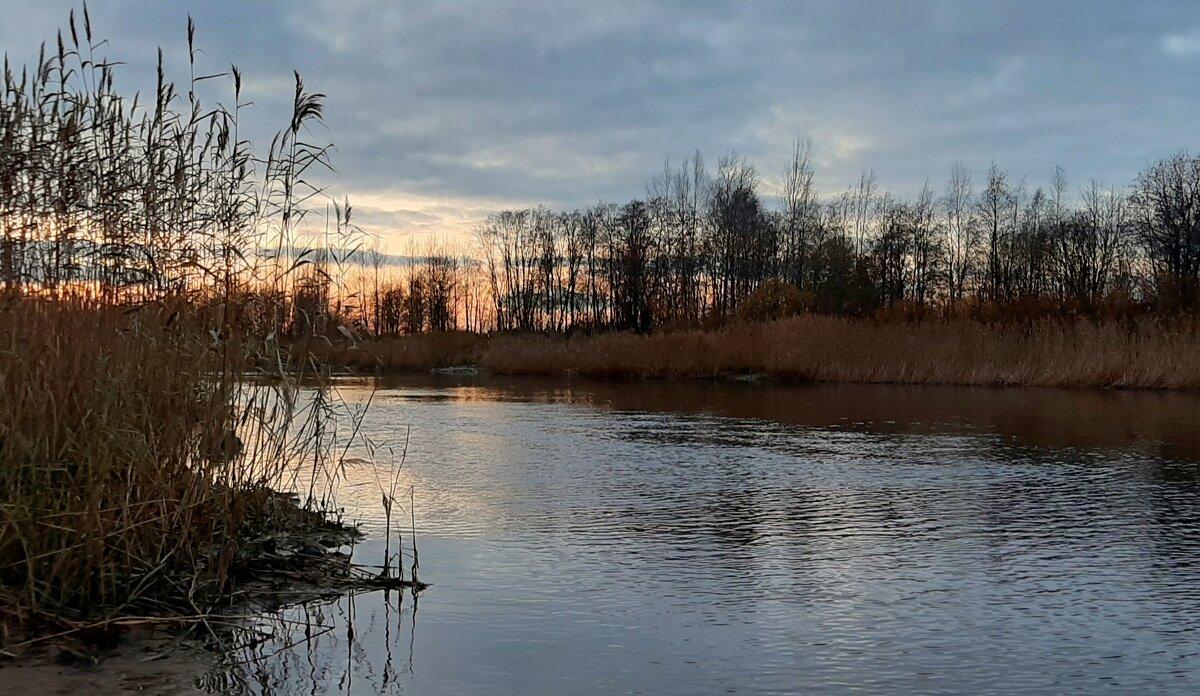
{"points": [[161, 455], [156, 666], [140, 477], [1051, 353]]}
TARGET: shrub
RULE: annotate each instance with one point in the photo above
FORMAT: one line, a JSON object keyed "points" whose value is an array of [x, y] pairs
{"points": [[774, 299]]}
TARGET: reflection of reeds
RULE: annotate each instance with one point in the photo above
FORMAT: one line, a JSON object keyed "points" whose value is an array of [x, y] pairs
{"points": [[311, 647], [819, 348]]}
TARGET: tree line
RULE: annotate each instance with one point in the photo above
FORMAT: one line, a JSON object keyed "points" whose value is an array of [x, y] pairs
{"points": [[700, 243], [134, 198]]}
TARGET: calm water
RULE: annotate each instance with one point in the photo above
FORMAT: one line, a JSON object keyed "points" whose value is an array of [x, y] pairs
{"points": [[731, 538]]}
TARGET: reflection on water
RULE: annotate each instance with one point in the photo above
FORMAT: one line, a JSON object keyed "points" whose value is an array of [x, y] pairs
{"points": [[313, 648], [701, 538]]}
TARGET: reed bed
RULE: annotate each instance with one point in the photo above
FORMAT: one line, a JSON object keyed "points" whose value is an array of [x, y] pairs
{"points": [[152, 266], [418, 352], [1052, 353], [132, 469]]}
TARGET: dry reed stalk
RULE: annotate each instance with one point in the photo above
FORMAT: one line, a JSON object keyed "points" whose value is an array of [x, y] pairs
{"points": [[148, 410], [114, 496], [405, 353], [1147, 354]]}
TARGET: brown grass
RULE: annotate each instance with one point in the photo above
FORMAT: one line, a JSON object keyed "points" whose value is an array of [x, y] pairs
{"points": [[819, 348], [136, 458], [121, 486], [404, 353]]}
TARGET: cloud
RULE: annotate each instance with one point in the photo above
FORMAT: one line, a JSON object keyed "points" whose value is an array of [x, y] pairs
{"points": [[1005, 81], [1182, 45], [445, 111], [406, 215]]}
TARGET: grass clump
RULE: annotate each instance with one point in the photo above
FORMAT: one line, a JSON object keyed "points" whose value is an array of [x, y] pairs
{"points": [[1052, 353], [124, 481], [158, 308], [416, 352]]}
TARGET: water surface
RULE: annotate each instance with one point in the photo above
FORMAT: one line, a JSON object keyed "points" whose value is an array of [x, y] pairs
{"points": [[669, 538]]}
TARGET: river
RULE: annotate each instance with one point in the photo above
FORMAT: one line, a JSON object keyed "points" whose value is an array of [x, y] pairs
{"points": [[713, 537]]}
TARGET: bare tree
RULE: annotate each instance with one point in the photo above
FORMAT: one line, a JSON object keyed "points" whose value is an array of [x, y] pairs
{"points": [[926, 251], [801, 213], [962, 236], [1166, 200], [1091, 244], [995, 206], [862, 204]]}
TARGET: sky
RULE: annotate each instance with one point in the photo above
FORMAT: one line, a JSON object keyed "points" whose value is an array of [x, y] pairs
{"points": [[444, 111]]}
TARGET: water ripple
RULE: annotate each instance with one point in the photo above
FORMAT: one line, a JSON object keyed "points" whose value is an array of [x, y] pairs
{"points": [[581, 546]]}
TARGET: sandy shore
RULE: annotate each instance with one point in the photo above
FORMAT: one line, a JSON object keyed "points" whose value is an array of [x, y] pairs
{"points": [[147, 666]]}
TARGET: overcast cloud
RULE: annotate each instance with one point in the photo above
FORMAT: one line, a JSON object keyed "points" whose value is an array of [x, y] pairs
{"points": [[444, 111]]}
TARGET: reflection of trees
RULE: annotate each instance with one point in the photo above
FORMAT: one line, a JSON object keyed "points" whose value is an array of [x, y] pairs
{"points": [[766, 501], [1165, 424]]}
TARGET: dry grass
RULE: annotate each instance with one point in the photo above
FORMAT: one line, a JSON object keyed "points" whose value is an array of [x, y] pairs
{"points": [[405, 353], [818, 348], [136, 458], [121, 482]]}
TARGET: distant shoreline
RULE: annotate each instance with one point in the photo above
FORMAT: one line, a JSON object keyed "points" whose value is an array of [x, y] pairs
{"points": [[1146, 354]]}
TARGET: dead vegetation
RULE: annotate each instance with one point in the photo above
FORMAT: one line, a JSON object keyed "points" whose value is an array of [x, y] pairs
{"points": [[1050, 353], [417, 352], [157, 386]]}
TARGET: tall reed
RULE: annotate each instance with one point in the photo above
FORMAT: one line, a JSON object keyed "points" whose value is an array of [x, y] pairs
{"points": [[154, 266], [125, 482], [1057, 353]]}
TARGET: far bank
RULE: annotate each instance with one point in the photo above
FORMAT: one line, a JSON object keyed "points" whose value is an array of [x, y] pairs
{"points": [[1142, 354]]}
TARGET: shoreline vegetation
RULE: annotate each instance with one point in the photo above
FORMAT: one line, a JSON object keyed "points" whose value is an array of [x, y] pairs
{"points": [[995, 282], [144, 478], [174, 304], [163, 459], [1141, 354]]}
